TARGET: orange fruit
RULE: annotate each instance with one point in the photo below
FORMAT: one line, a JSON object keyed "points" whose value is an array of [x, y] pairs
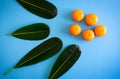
{"points": [[75, 29], [100, 30], [88, 35], [91, 19], [77, 15]]}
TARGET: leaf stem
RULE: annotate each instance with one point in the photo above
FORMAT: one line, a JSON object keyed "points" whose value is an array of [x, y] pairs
{"points": [[6, 73], [8, 34]]}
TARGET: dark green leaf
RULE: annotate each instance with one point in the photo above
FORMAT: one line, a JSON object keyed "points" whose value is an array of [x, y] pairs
{"points": [[41, 8], [65, 61], [42, 52], [36, 31]]}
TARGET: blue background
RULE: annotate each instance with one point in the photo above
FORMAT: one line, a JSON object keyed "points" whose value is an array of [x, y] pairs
{"points": [[100, 58]]}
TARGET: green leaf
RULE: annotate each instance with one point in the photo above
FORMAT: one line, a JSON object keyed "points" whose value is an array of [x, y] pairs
{"points": [[42, 52], [36, 31], [41, 8], [65, 61]]}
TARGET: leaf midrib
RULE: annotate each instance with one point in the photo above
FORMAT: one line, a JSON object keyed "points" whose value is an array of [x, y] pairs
{"points": [[62, 64], [36, 55], [27, 33], [36, 6]]}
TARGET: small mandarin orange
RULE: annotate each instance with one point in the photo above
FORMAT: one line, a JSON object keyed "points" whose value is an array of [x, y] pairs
{"points": [[91, 19], [75, 29], [100, 30], [88, 35], [77, 15]]}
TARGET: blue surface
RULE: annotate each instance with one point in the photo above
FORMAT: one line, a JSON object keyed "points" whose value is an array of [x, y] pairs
{"points": [[100, 58]]}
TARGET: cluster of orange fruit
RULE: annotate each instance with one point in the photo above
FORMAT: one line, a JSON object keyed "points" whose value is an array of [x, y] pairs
{"points": [[91, 20]]}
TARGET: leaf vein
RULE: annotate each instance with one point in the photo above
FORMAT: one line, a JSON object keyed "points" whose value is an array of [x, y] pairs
{"points": [[36, 55], [62, 64], [27, 33], [36, 6]]}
